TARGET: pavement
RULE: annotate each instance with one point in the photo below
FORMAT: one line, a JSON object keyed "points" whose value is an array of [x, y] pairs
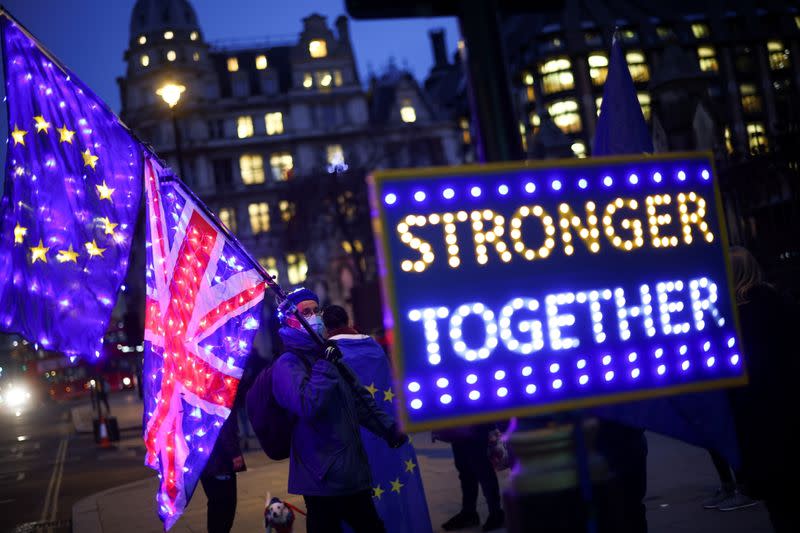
{"points": [[680, 477]]}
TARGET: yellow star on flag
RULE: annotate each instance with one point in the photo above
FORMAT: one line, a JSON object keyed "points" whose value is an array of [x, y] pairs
{"points": [[410, 466], [19, 233], [67, 255], [39, 253], [19, 136], [108, 226], [372, 389], [89, 160], [104, 191], [377, 491], [93, 250], [66, 135], [41, 124], [396, 486], [388, 395]]}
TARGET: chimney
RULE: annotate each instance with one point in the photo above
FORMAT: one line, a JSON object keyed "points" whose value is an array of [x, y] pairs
{"points": [[343, 29], [439, 51]]}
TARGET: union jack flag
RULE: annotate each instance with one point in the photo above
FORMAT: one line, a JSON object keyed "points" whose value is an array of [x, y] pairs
{"points": [[203, 305]]}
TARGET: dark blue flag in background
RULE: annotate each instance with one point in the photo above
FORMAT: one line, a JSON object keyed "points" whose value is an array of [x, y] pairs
{"points": [[73, 181]]}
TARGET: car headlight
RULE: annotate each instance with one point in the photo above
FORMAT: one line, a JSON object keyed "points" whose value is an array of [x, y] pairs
{"points": [[16, 396]]}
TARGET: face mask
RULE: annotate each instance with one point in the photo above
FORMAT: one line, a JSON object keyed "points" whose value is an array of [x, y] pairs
{"points": [[316, 324]]}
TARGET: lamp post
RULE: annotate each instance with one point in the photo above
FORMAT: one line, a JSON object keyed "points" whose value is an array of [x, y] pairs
{"points": [[171, 94]]}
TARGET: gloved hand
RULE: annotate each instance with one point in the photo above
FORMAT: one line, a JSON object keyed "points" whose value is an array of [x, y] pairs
{"points": [[396, 437], [332, 353]]}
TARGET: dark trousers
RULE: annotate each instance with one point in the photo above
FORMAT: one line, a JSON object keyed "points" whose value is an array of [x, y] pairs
{"points": [[474, 468], [625, 450], [724, 470], [326, 513], [221, 494]]}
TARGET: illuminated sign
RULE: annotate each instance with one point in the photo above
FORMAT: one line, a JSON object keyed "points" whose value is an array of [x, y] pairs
{"points": [[527, 288]]}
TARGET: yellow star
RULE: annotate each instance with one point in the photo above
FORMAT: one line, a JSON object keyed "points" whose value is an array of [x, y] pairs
{"points": [[66, 135], [93, 250], [108, 225], [67, 255], [396, 485], [39, 253], [377, 491], [19, 233], [410, 466], [104, 191], [372, 389], [41, 124], [19, 136], [388, 395], [89, 160]]}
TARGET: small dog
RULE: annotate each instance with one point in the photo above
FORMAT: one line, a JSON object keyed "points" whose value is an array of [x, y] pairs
{"points": [[278, 516]]}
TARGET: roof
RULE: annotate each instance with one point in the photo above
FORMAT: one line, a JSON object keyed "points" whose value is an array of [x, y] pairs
{"points": [[150, 16]]}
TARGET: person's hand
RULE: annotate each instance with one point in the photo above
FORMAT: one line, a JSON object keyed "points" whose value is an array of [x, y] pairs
{"points": [[396, 437], [332, 353]]}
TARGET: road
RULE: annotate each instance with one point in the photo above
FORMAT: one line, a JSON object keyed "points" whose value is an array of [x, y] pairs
{"points": [[45, 467]]}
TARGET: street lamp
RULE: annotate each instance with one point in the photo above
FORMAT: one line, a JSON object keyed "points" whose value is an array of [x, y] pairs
{"points": [[171, 94]]}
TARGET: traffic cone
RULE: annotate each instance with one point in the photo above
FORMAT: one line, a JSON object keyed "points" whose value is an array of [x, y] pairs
{"points": [[105, 442]]}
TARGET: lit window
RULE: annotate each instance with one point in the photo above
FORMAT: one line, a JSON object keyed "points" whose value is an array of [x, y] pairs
{"points": [[700, 31], [337, 78], [527, 78], [244, 126], [324, 78], [281, 165], [629, 35], [287, 210], [728, 140], [227, 216], [296, 268], [565, 115], [142, 39], [756, 137], [644, 102], [233, 64], [259, 217], [308, 80], [270, 265], [556, 75], [778, 55], [196, 56], [335, 154], [598, 102], [407, 112], [598, 67], [664, 32], [193, 36], [274, 122], [171, 55], [347, 247], [638, 66], [318, 48], [536, 121], [751, 101], [145, 60], [251, 167], [168, 35], [261, 62], [797, 21], [708, 58], [523, 134], [466, 137], [579, 149]]}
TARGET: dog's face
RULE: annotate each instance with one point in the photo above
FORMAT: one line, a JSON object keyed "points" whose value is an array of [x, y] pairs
{"points": [[278, 513]]}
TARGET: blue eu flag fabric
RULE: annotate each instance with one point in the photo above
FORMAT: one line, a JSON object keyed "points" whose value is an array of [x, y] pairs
{"points": [[73, 181], [396, 481], [702, 419]]}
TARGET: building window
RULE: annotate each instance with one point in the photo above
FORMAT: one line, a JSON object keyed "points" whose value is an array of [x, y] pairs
{"points": [[324, 79], [308, 80], [287, 210], [337, 78], [756, 137], [565, 115], [579, 149], [665, 32], [171, 55], [628, 35], [778, 55], [270, 265], [193, 36], [259, 217], [466, 137], [244, 126], [168, 35], [274, 123], [523, 135], [535, 121], [797, 21], [196, 56], [407, 112], [701, 31], [638, 66], [261, 62], [598, 67], [708, 58], [593, 38], [335, 155], [296, 268], [145, 60], [223, 172], [233, 64], [728, 141], [251, 167], [644, 102], [751, 101], [227, 215], [142, 39], [318, 48], [281, 165], [556, 75]]}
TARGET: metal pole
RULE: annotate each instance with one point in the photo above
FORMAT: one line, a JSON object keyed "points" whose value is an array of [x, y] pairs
{"points": [[177, 132]]}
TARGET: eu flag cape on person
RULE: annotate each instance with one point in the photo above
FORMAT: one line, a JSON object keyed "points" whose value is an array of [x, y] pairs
{"points": [[703, 419], [397, 484], [73, 182], [203, 307]]}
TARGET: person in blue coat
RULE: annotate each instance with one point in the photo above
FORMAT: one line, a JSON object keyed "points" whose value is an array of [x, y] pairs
{"points": [[328, 464], [397, 488]]}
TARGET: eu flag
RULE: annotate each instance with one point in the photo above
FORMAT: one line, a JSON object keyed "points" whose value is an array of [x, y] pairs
{"points": [[73, 181], [396, 481]]}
